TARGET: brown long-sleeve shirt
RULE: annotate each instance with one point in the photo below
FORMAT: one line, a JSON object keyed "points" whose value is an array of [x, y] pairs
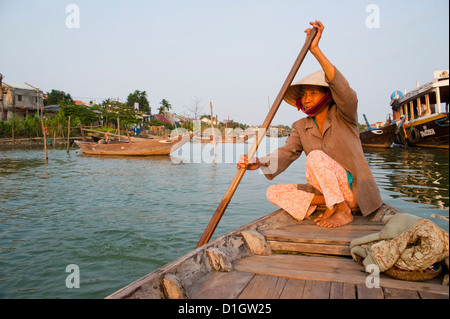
{"points": [[340, 140]]}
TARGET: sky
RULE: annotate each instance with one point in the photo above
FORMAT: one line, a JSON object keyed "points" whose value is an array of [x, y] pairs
{"points": [[235, 54]]}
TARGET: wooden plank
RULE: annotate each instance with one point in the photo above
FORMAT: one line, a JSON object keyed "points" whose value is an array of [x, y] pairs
{"points": [[392, 293], [363, 292], [293, 289], [220, 285], [432, 286], [341, 290], [320, 235], [310, 248], [264, 287], [357, 220], [316, 289], [326, 269], [429, 295], [303, 267]]}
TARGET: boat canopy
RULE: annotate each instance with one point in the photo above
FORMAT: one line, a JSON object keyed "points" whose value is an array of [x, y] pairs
{"points": [[430, 98]]}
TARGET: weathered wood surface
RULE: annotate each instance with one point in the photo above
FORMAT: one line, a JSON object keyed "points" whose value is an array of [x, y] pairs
{"points": [[307, 237], [307, 277], [143, 147], [229, 268]]}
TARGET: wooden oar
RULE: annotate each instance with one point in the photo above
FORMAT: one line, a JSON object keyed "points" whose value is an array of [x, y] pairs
{"points": [[240, 173]]}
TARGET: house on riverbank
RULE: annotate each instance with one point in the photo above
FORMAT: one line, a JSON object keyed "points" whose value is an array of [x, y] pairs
{"points": [[19, 100]]}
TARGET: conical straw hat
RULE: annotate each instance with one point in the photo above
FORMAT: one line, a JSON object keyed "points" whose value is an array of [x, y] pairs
{"points": [[294, 91]]}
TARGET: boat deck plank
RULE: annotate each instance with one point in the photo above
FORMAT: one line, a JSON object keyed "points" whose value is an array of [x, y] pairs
{"points": [[306, 237], [330, 269], [300, 276], [264, 287], [220, 285], [286, 274], [269, 277]]}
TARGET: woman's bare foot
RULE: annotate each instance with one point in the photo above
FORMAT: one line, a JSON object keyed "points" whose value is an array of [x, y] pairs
{"points": [[328, 213], [342, 216]]}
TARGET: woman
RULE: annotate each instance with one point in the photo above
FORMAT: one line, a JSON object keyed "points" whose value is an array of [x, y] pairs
{"points": [[337, 173]]}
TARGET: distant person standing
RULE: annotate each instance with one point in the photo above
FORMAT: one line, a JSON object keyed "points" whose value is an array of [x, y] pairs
{"points": [[336, 170]]}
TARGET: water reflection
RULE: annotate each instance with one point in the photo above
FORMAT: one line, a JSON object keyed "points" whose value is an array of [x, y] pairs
{"points": [[415, 175]]}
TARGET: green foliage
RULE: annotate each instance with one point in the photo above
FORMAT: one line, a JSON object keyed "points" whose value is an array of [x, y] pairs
{"points": [[141, 98], [155, 122], [84, 114], [29, 127], [55, 96], [164, 106], [112, 110], [188, 126]]}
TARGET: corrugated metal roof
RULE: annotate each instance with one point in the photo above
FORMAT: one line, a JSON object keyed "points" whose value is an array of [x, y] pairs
{"points": [[161, 118], [17, 85]]}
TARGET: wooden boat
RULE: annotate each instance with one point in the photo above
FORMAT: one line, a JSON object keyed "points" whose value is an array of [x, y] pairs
{"points": [[134, 146], [426, 121], [379, 138], [279, 257]]}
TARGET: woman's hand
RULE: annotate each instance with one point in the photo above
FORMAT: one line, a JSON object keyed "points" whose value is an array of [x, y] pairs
{"points": [[327, 66], [252, 165], [315, 43]]}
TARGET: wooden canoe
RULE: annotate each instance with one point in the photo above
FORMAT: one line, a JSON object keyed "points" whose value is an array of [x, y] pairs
{"points": [[277, 257], [379, 138], [137, 147]]}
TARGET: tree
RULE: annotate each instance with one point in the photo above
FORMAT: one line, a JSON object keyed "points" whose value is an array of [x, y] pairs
{"points": [[113, 109], [165, 106], [196, 107], [85, 114], [56, 96], [141, 98]]}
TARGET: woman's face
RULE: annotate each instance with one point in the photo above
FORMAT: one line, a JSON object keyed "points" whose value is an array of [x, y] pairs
{"points": [[311, 95]]}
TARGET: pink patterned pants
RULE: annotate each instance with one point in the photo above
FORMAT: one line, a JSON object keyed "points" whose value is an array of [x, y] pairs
{"points": [[325, 175]]}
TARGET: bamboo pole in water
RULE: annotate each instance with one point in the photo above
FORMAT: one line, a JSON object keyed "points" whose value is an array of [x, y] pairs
{"points": [[44, 133], [213, 133], [68, 136], [240, 173]]}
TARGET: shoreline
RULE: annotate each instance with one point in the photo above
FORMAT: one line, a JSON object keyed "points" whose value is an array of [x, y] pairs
{"points": [[36, 141]]}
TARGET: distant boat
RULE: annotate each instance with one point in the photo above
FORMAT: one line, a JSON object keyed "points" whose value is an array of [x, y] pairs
{"points": [[221, 139], [426, 122], [275, 132], [382, 137], [133, 146]]}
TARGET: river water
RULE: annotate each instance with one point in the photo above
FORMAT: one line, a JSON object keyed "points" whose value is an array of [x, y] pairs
{"points": [[118, 218]]}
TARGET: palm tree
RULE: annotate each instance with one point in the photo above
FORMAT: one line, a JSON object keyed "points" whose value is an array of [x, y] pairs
{"points": [[165, 106]]}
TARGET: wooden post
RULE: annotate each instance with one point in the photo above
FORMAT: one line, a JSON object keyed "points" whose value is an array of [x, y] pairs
{"points": [[45, 135], [438, 101], [14, 116], [213, 133], [68, 135], [118, 127], [419, 107], [2, 112]]}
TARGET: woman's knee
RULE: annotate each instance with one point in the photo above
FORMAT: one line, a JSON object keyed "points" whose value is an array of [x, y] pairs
{"points": [[314, 157], [272, 192], [275, 191]]}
